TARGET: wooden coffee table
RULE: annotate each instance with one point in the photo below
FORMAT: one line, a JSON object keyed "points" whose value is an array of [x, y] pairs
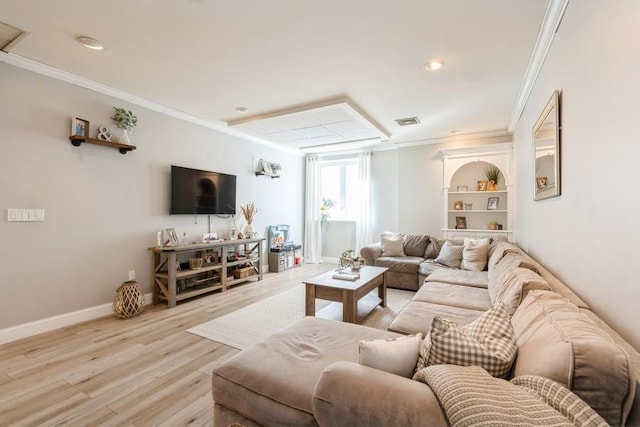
{"points": [[346, 292]]}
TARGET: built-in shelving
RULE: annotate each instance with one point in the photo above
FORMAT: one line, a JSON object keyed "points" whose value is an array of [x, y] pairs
{"points": [[463, 169]]}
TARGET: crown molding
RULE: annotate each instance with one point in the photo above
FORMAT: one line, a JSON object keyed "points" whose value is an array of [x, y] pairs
{"points": [[551, 22], [76, 80]]}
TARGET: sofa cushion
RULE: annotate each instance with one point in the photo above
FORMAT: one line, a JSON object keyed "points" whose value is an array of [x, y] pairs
{"points": [[478, 279], [429, 266], [453, 295], [417, 316], [450, 255], [498, 249], [400, 264], [252, 382], [488, 342], [392, 244], [394, 355], [471, 397], [556, 341], [498, 274], [433, 248], [474, 254], [517, 283], [415, 244]]}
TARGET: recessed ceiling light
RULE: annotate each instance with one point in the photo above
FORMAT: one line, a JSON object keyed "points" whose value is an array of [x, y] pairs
{"points": [[433, 65], [242, 110], [90, 42]]}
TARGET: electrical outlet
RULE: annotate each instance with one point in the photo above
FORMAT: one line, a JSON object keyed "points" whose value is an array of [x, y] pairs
{"points": [[132, 275]]}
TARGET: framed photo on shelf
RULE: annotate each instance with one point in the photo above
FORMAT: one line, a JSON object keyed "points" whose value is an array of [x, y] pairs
{"points": [[461, 223], [492, 203], [80, 127], [173, 237], [210, 258], [482, 185]]}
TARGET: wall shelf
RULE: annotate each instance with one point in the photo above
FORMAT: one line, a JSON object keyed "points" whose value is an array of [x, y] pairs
{"points": [[77, 140]]}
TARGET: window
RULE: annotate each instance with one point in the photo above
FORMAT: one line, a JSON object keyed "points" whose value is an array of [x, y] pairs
{"points": [[340, 189]]}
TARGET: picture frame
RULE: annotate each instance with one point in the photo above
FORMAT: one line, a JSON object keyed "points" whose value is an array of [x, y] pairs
{"points": [[542, 182], [482, 185], [80, 127], [210, 258], [461, 223], [209, 237], [492, 203], [173, 237]]}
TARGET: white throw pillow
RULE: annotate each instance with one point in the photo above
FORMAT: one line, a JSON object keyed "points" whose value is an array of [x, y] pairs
{"points": [[392, 244], [395, 355], [474, 254], [450, 255]]}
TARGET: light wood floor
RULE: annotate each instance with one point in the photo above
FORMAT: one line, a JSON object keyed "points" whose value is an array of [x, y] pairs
{"points": [[144, 371]]}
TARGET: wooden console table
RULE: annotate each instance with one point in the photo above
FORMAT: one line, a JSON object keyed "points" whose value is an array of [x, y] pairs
{"points": [[208, 278]]}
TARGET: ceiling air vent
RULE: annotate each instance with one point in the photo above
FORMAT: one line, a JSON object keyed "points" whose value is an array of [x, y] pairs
{"points": [[408, 121], [10, 36]]}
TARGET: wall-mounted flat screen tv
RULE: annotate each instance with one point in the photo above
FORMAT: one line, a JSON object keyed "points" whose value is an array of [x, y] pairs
{"points": [[196, 191]]}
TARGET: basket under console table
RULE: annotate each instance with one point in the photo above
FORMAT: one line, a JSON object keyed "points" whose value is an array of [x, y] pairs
{"points": [[231, 262]]}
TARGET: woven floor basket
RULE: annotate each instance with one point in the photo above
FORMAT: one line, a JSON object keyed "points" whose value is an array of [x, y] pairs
{"points": [[129, 300]]}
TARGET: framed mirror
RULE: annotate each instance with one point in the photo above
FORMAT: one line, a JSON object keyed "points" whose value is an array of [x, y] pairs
{"points": [[546, 151]]}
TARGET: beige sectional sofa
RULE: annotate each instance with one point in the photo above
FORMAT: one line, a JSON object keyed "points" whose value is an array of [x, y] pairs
{"points": [[309, 374]]}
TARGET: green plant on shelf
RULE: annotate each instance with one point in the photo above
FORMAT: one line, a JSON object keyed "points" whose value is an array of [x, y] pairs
{"points": [[492, 173], [125, 119]]}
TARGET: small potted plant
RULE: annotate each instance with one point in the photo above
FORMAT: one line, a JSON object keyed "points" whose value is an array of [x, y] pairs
{"points": [[350, 259], [325, 208], [125, 120], [493, 174]]}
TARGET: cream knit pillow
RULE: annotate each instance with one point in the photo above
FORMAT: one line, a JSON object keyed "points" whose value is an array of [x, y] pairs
{"points": [[392, 244], [474, 254]]}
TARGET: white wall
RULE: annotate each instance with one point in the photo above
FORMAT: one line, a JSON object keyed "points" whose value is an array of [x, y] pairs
{"points": [[103, 208], [589, 235]]}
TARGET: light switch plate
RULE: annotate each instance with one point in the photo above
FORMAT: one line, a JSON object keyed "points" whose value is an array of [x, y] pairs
{"points": [[25, 215]]}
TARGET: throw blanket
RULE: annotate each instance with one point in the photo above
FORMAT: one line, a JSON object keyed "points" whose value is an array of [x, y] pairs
{"points": [[472, 397]]}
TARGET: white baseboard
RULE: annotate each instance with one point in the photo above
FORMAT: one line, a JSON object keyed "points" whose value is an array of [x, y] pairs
{"points": [[25, 330]]}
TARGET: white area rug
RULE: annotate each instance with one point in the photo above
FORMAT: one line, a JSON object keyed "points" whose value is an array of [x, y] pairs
{"points": [[257, 321]]}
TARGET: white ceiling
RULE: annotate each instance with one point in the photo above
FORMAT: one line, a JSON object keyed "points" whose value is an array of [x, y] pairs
{"points": [[206, 57]]}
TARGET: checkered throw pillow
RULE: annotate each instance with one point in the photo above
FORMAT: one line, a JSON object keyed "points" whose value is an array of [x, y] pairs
{"points": [[488, 342]]}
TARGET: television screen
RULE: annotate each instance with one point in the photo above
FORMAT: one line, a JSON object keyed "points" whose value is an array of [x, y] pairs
{"points": [[196, 191]]}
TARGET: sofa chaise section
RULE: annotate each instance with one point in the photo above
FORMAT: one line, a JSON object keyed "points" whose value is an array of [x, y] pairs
{"points": [[272, 382]]}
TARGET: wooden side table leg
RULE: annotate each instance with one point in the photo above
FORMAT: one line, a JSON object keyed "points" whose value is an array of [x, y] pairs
{"points": [[310, 300], [382, 291], [349, 307], [171, 268]]}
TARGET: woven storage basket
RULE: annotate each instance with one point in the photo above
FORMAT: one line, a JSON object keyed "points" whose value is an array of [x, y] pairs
{"points": [[243, 272], [129, 300], [195, 263]]}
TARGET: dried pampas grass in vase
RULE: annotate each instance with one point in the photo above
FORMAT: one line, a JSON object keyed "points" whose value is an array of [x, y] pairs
{"points": [[248, 211]]}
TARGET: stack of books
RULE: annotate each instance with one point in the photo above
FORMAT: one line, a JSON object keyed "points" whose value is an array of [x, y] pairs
{"points": [[346, 275]]}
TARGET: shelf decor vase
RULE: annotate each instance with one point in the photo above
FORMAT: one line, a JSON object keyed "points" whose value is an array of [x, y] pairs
{"points": [[492, 185], [123, 138]]}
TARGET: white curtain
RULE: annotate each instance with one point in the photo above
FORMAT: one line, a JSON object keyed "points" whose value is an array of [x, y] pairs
{"points": [[364, 220], [312, 227]]}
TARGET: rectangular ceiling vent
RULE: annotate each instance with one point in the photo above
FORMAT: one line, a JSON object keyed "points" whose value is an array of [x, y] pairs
{"points": [[408, 121], [10, 36]]}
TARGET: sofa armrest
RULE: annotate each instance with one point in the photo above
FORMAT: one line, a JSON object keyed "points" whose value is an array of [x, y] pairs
{"points": [[371, 252], [351, 394]]}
